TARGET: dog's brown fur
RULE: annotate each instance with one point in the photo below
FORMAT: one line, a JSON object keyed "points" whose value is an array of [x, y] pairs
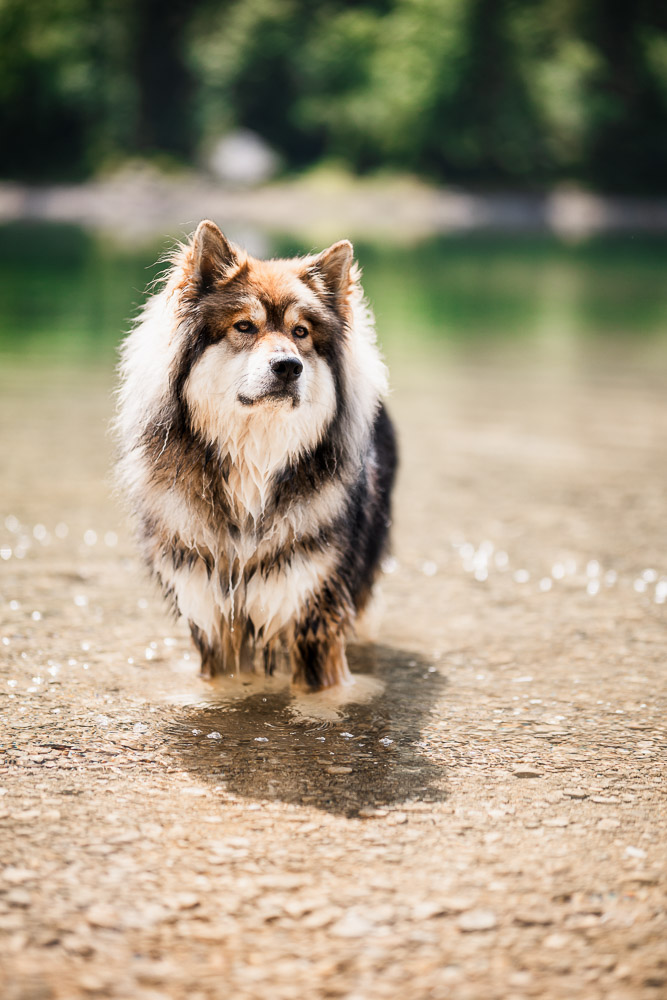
{"points": [[258, 457]]}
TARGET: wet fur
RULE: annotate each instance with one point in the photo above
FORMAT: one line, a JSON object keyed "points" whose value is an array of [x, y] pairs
{"points": [[262, 508]]}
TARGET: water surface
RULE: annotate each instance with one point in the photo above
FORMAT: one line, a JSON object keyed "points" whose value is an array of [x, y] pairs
{"points": [[69, 294]]}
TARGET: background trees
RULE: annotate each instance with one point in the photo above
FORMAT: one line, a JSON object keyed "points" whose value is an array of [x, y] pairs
{"points": [[486, 93]]}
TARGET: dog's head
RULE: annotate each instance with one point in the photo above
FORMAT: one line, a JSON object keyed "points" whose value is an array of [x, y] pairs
{"points": [[270, 336]]}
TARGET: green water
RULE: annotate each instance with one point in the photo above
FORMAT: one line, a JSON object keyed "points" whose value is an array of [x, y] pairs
{"points": [[67, 294]]}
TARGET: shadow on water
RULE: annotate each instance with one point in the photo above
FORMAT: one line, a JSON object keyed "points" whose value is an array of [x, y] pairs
{"points": [[264, 742]]}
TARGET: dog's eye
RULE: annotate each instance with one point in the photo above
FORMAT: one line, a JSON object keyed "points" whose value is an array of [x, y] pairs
{"points": [[300, 331], [245, 326]]}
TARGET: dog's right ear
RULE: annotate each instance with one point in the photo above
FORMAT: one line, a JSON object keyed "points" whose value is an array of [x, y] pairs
{"points": [[213, 254]]}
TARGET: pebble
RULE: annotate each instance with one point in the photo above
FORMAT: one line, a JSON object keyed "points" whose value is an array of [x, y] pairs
{"points": [[369, 812], [557, 941], [11, 921], [101, 915], [477, 920], [321, 918], [575, 793], [531, 918], [352, 925], [644, 878], [455, 904], [526, 772], [608, 824], [426, 909], [182, 901], [298, 906], [338, 769], [198, 930], [77, 944], [90, 983], [18, 897], [557, 821], [396, 818], [16, 876]]}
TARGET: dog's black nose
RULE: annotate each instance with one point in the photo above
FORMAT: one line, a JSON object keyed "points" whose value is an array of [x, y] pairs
{"points": [[287, 368]]}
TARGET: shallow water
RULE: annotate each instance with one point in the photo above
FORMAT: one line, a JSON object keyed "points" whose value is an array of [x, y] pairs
{"points": [[66, 294], [345, 751], [519, 632]]}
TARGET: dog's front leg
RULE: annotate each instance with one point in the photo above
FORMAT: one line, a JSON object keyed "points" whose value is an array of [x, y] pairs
{"points": [[210, 650], [320, 661], [229, 652]]}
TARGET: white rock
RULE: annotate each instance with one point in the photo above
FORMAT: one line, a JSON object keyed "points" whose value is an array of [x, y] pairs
{"points": [[352, 925], [477, 920], [243, 159]]}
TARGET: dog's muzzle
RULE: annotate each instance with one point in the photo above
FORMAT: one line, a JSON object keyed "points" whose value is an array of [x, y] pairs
{"points": [[282, 383]]}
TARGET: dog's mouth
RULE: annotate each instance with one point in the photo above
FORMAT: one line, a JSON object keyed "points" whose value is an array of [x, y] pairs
{"points": [[281, 395]]}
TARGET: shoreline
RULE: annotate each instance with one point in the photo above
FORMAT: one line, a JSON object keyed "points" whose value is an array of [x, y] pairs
{"points": [[139, 204]]}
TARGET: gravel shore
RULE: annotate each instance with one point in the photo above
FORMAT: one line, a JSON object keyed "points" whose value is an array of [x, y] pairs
{"points": [[481, 816]]}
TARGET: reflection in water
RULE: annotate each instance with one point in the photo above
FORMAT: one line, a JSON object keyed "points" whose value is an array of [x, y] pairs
{"points": [[340, 756], [70, 293]]}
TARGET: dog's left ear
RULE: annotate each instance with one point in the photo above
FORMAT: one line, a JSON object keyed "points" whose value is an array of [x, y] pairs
{"points": [[213, 254], [333, 266]]}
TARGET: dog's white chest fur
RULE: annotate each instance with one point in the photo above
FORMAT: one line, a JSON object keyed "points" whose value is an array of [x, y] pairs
{"points": [[257, 572], [269, 578]]}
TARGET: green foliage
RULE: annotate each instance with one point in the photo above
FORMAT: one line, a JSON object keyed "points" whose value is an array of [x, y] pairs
{"points": [[375, 80], [478, 92], [45, 80]]}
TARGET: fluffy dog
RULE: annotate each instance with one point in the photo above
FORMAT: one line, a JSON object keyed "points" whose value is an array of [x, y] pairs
{"points": [[257, 454]]}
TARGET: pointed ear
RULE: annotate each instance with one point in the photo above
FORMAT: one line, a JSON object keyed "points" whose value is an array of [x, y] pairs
{"points": [[333, 266], [213, 254]]}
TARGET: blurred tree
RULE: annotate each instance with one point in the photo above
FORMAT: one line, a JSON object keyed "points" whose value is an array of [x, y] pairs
{"points": [[375, 79], [163, 80], [490, 127], [626, 146], [85, 81], [46, 84]]}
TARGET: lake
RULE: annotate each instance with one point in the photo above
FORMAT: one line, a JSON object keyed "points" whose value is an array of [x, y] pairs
{"points": [[66, 294]]}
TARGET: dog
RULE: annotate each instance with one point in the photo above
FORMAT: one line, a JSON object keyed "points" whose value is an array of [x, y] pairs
{"points": [[257, 453]]}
